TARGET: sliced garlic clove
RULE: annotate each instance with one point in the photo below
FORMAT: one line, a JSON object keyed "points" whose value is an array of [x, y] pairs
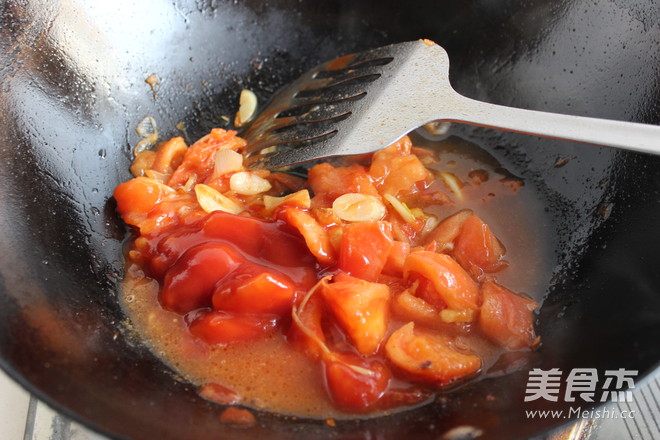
{"points": [[299, 199], [248, 184], [356, 207], [247, 107], [211, 200]]}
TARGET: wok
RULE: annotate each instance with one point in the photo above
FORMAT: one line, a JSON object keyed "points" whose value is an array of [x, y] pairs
{"points": [[72, 91]]}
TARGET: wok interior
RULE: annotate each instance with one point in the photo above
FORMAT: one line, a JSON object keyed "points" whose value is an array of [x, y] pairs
{"points": [[73, 90]]}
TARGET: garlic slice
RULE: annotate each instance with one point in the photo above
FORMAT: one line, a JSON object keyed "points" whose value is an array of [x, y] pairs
{"points": [[247, 107], [248, 184], [211, 200], [299, 199], [356, 207]]}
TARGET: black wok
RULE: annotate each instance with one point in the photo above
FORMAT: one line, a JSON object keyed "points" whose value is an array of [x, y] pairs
{"points": [[72, 90]]}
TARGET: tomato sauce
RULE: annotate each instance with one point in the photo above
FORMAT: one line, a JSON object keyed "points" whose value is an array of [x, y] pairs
{"points": [[364, 290]]}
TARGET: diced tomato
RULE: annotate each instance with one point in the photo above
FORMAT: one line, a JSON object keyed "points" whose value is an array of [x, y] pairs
{"points": [[216, 327], [254, 289], [429, 357], [199, 158], [169, 155], [507, 318], [328, 183], [189, 283], [448, 229], [405, 172], [409, 307], [396, 258], [315, 236], [381, 161], [271, 241], [395, 169], [477, 249], [355, 384], [361, 308], [365, 247], [142, 162], [138, 196], [451, 282]]}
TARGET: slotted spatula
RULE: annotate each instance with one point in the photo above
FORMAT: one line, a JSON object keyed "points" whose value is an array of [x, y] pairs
{"points": [[362, 102]]}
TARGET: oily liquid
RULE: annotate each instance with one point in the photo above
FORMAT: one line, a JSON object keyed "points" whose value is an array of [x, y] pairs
{"points": [[270, 375]]}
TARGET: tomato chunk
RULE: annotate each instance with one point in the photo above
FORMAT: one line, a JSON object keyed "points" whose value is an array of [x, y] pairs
{"points": [[450, 281], [448, 229], [396, 258], [216, 327], [361, 308], [507, 318], [477, 249], [328, 183], [253, 289], [355, 384], [365, 247], [199, 159], [138, 196], [409, 307], [429, 357], [188, 285], [315, 236]]}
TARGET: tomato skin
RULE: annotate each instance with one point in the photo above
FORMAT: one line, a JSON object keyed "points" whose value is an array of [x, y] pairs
{"points": [[451, 282], [217, 327], [310, 317], [189, 283], [477, 249], [352, 390], [507, 318], [428, 357], [253, 289], [365, 248]]}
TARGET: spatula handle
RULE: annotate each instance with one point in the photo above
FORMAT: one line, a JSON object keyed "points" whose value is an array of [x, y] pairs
{"points": [[627, 135]]}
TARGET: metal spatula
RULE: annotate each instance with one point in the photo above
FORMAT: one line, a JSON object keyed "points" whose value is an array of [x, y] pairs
{"points": [[362, 102]]}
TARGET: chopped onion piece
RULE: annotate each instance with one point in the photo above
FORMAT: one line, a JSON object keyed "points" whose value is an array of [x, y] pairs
{"points": [[247, 107], [453, 183], [299, 199], [147, 129], [161, 177], [401, 208], [356, 207], [227, 161], [211, 200], [190, 183], [248, 183]]}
